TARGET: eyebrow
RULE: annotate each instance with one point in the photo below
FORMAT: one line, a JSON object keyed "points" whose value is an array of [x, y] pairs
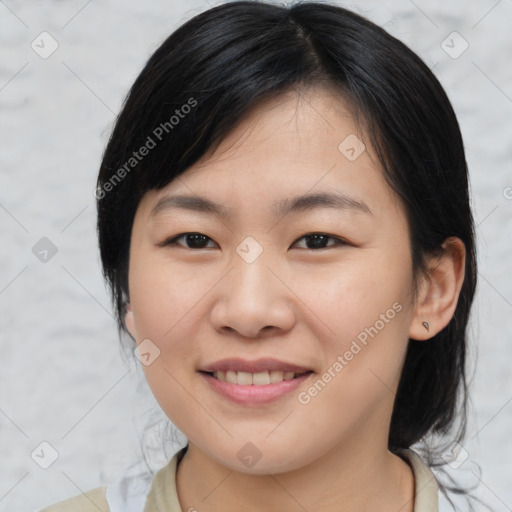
{"points": [[335, 200]]}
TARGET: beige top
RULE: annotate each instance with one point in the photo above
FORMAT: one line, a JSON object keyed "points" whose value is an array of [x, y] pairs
{"points": [[163, 496]]}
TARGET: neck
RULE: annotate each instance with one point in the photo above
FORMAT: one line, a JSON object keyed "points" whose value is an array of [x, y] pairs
{"points": [[345, 479]]}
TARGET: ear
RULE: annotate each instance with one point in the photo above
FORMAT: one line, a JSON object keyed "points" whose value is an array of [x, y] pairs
{"points": [[129, 321], [439, 292]]}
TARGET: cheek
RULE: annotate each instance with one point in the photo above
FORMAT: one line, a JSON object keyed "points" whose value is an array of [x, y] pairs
{"points": [[366, 310], [363, 358], [353, 295], [165, 305], [162, 295]]}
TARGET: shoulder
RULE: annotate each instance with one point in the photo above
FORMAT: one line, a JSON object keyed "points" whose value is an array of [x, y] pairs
{"points": [[90, 501]]}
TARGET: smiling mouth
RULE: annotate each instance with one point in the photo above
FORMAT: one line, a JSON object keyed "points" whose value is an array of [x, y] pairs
{"points": [[256, 379]]}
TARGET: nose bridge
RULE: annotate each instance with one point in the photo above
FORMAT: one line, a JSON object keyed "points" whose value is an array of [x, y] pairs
{"points": [[251, 274], [253, 297]]}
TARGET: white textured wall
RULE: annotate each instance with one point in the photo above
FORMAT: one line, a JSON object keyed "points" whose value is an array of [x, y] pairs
{"points": [[62, 378]]}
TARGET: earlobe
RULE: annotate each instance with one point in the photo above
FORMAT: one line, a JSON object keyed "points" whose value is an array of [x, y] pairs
{"points": [[439, 292], [129, 321]]}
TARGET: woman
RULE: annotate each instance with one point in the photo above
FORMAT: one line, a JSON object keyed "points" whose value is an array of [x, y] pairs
{"points": [[284, 222]]}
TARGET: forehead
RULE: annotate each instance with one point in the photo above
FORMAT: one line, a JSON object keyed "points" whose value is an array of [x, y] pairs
{"points": [[319, 117], [292, 145]]}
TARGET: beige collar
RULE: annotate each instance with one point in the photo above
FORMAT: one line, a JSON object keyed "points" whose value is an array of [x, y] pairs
{"points": [[425, 483]]}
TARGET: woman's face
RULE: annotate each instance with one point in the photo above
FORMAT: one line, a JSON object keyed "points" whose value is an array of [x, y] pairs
{"points": [[251, 285]]}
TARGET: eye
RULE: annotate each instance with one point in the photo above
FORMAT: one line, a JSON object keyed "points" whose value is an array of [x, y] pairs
{"points": [[317, 240], [196, 240]]}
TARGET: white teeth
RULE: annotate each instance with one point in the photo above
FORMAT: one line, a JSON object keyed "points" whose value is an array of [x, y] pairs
{"points": [[221, 376], [276, 376], [258, 379], [230, 376], [244, 378]]}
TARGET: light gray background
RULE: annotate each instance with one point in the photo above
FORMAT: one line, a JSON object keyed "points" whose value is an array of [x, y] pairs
{"points": [[62, 377]]}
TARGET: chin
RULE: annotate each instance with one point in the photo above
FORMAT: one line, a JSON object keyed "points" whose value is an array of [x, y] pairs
{"points": [[250, 460]]}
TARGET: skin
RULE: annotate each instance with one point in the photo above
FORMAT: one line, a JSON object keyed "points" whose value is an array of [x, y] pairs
{"points": [[296, 303]]}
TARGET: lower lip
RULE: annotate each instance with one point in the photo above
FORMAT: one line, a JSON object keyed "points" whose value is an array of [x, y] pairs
{"points": [[252, 394]]}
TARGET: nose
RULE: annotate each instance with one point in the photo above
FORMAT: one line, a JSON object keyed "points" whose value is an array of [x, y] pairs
{"points": [[254, 301]]}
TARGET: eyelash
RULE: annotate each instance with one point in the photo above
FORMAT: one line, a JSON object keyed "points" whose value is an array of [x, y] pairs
{"points": [[173, 240]]}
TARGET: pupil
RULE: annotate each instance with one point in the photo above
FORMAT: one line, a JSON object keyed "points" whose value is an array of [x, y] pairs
{"points": [[318, 240], [196, 240]]}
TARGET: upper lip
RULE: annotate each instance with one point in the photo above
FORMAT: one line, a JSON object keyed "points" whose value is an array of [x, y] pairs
{"points": [[256, 366]]}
